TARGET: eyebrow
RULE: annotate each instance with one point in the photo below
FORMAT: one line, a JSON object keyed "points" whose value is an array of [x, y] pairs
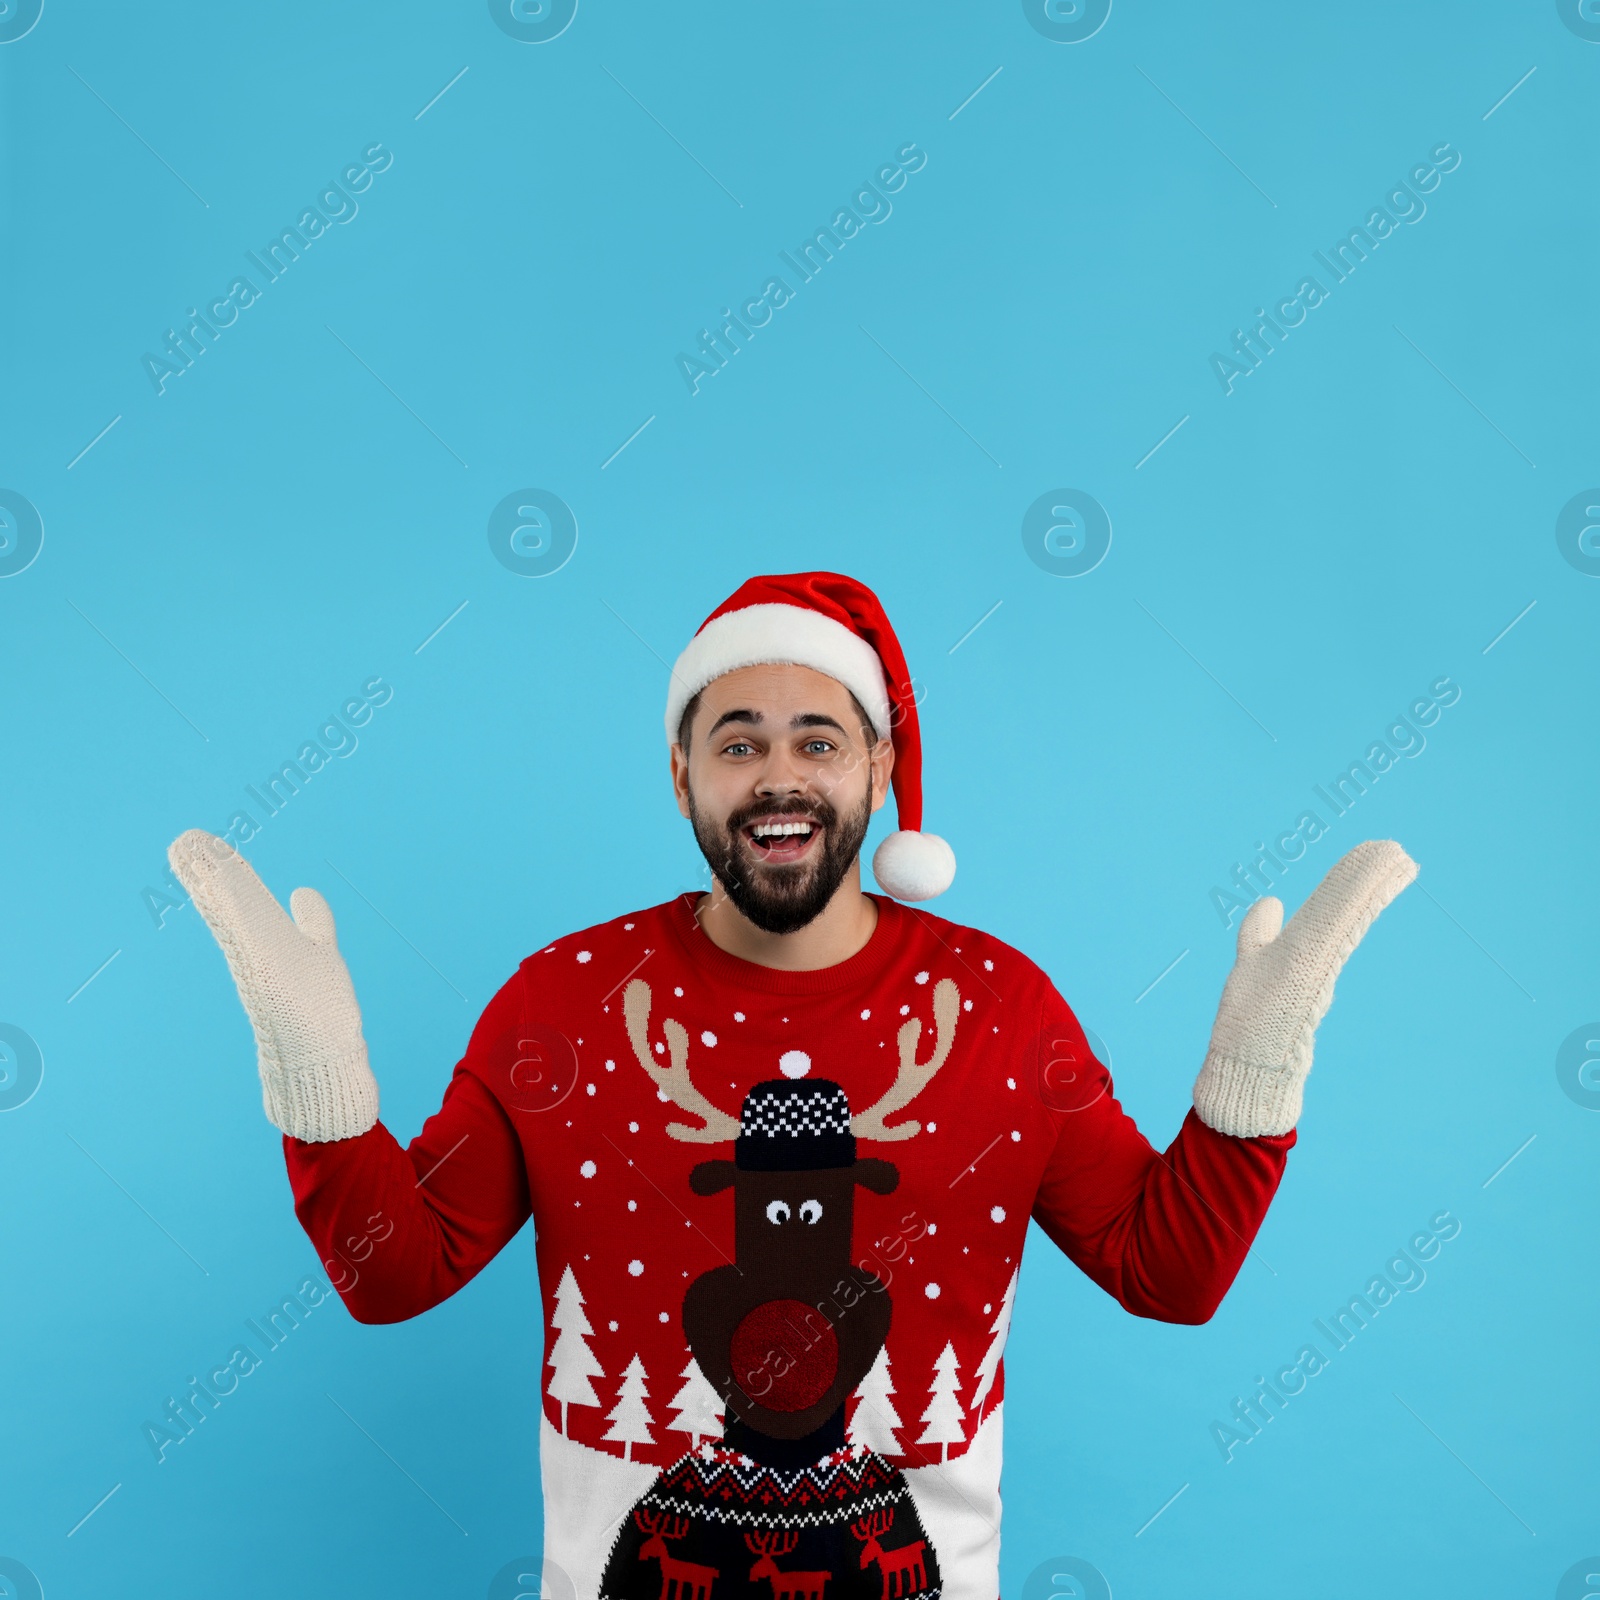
{"points": [[801, 719]]}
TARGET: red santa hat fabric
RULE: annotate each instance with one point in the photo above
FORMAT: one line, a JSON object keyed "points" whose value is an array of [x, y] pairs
{"points": [[835, 625]]}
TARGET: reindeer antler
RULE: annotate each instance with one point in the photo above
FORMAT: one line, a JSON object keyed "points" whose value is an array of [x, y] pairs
{"points": [[772, 1544], [673, 1081], [913, 1076], [874, 1525]]}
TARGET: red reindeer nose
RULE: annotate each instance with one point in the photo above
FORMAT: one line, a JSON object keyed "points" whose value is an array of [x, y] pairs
{"points": [[784, 1354]]}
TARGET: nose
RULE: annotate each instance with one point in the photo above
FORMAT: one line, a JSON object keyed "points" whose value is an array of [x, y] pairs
{"points": [[784, 1355]]}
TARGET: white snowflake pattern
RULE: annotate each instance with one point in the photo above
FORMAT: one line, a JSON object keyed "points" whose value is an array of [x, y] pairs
{"points": [[626, 926], [588, 1169], [633, 1127], [1016, 1138], [966, 1005], [635, 1268], [611, 1066], [678, 991], [738, 1016], [904, 1010], [613, 1327], [633, 1205], [708, 1038], [933, 1228], [1011, 1083], [996, 1214], [584, 956], [865, 1015], [922, 977], [931, 1290], [988, 966], [589, 1088]]}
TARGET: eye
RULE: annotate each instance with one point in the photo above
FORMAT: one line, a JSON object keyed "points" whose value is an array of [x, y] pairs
{"points": [[778, 1211], [819, 746], [811, 1210], [739, 747]]}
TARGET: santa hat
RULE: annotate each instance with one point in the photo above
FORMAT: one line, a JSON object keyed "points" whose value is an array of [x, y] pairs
{"points": [[834, 625]]}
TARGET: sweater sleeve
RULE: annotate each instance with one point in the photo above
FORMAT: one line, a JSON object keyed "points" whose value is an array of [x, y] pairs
{"points": [[400, 1229], [1164, 1233]]}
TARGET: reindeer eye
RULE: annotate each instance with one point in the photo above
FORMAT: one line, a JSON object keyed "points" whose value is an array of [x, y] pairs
{"points": [[778, 1211], [811, 1210]]}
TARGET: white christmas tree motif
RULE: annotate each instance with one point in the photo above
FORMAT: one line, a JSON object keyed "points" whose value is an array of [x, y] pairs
{"points": [[944, 1413], [574, 1362], [630, 1419], [698, 1405], [874, 1420], [991, 1357]]}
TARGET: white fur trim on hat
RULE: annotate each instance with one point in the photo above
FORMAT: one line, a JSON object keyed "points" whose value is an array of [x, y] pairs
{"points": [[775, 634], [914, 866]]}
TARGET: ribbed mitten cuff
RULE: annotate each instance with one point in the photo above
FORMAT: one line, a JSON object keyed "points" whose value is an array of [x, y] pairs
{"points": [[1248, 1102], [321, 1104]]}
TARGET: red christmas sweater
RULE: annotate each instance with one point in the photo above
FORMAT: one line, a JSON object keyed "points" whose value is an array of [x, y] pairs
{"points": [[618, 1060]]}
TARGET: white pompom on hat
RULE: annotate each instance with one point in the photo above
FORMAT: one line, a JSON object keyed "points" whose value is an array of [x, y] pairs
{"points": [[834, 625]]}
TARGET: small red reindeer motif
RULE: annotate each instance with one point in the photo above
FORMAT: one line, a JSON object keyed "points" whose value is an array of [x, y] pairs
{"points": [[785, 1585], [903, 1571], [680, 1580]]}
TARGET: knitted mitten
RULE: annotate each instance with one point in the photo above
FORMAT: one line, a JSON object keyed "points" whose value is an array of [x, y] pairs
{"points": [[1281, 987], [315, 1082]]}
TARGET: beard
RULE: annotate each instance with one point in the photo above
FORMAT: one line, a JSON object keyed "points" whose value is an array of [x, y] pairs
{"points": [[781, 899]]}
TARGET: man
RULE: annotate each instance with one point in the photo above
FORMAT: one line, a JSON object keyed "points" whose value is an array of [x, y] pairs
{"points": [[792, 1354]]}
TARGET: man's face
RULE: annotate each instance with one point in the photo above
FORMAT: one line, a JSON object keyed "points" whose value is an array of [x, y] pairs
{"points": [[780, 780]]}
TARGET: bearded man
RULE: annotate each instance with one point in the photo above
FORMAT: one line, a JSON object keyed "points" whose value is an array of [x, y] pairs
{"points": [[781, 1143]]}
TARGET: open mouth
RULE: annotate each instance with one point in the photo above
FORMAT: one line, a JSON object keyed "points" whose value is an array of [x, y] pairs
{"points": [[780, 840]]}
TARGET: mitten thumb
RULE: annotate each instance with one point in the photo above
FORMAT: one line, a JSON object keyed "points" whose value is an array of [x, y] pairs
{"points": [[312, 916], [1261, 924]]}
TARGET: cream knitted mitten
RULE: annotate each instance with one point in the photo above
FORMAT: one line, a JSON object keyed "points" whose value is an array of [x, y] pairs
{"points": [[1281, 987], [315, 1081]]}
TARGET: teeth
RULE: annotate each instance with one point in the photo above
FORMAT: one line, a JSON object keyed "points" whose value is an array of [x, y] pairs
{"points": [[773, 830]]}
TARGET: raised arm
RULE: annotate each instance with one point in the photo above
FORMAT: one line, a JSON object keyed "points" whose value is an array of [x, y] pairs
{"points": [[1167, 1233], [396, 1229]]}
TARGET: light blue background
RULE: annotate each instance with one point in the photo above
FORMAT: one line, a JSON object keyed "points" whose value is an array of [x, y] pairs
{"points": [[237, 555]]}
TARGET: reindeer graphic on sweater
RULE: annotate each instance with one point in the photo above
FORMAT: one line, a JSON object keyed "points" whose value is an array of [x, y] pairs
{"points": [[784, 1333]]}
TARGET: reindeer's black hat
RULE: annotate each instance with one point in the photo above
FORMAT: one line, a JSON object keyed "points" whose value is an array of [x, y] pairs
{"points": [[794, 1125]]}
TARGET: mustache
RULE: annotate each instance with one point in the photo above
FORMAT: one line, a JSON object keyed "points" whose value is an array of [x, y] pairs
{"points": [[818, 808]]}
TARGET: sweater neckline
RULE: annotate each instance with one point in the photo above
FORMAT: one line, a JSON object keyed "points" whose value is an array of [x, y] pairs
{"points": [[742, 974]]}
